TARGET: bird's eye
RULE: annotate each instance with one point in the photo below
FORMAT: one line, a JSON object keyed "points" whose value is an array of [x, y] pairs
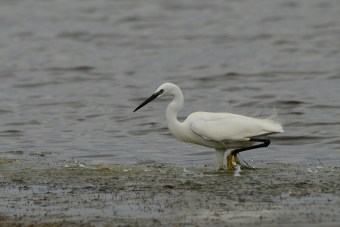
{"points": [[161, 91]]}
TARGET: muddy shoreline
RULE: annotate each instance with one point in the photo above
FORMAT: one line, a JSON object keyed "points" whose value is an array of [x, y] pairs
{"points": [[36, 193]]}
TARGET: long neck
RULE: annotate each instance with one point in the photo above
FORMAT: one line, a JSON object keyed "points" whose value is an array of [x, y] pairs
{"points": [[173, 109]]}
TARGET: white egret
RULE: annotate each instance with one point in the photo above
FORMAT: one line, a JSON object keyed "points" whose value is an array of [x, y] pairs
{"points": [[221, 131]]}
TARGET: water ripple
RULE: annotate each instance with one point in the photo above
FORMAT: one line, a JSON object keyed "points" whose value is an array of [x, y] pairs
{"points": [[71, 75]]}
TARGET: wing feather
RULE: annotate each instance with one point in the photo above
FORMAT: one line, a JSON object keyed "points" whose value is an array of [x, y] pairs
{"points": [[230, 127]]}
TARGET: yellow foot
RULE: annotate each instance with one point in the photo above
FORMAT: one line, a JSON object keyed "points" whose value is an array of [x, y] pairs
{"points": [[230, 165]]}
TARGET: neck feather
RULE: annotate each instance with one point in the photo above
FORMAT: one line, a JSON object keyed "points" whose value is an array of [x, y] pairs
{"points": [[173, 109]]}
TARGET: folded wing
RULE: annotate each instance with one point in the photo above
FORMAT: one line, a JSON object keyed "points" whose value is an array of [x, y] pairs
{"points": [[230, 127]]}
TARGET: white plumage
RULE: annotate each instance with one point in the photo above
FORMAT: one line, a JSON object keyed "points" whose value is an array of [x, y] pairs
{"points": [[227, 126], [221, 131]]}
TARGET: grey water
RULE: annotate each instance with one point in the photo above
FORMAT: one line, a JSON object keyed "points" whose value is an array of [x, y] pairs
{"points": [[72, 72]]}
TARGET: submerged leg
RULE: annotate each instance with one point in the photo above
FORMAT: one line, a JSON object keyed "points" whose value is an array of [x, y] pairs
{"points": [[220, 157], [265, 143]]}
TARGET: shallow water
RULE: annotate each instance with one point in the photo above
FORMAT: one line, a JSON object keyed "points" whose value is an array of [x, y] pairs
{"points": [[150, 192], [71, 73]]}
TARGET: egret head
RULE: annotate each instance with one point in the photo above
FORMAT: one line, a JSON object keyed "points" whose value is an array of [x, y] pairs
{"points": [[162, 90]]}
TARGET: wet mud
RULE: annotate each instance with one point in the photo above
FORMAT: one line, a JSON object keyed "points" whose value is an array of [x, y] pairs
{"points": [[72, 193]]}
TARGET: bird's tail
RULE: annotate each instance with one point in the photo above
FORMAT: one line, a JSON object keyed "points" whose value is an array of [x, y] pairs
{"points": [[276, 120]]}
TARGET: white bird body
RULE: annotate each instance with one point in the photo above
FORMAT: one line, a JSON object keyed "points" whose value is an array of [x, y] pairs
{"points": [[227, 129], [216, 130]]}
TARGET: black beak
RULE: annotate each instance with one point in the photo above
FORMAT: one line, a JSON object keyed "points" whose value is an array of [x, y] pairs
{"points": [[152, 97]]}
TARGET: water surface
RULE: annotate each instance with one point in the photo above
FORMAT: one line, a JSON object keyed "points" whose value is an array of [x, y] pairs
{"points": [[72, 72]]}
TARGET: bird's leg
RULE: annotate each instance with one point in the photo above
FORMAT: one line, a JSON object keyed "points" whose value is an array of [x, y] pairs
{"points": [[219, 157], [265, 143], [236, 159], [245, 165], [233, 153], [230, 165]]}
